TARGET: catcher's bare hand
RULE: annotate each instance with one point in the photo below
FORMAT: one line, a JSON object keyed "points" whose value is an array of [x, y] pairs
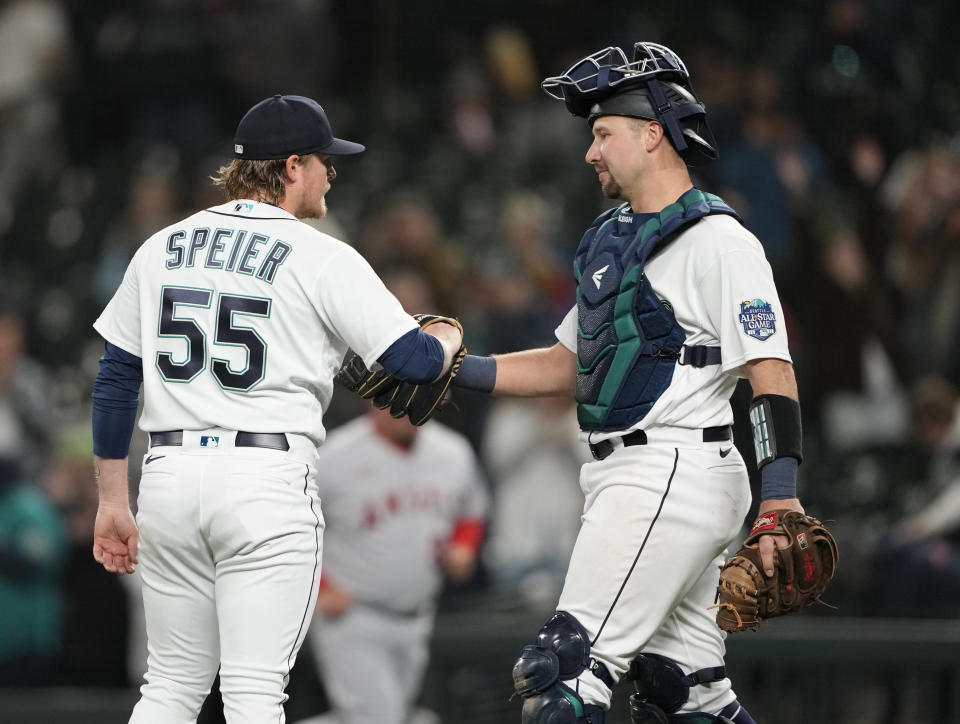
{"points": [[769, 543]]}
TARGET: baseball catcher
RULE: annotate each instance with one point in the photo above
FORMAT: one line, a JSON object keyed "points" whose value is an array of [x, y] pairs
{"points": [[419, 402], [746, 595]]}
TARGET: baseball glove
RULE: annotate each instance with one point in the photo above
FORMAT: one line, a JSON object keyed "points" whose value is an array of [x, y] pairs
{"points": [[746, 596], [417, 401]]}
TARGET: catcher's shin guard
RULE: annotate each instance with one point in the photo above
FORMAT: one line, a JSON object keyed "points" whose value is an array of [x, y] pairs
{"points": [[559, 705], [662, 688], [562, 653], [643, 712]]}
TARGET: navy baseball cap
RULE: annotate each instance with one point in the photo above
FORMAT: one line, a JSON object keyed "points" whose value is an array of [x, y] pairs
{"points": [[283, 126]]}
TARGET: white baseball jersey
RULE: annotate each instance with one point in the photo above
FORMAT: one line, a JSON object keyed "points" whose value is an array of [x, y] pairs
{"points": [[390, 514], [242, 315], [677, 502], [718, 282], [391, 511]]}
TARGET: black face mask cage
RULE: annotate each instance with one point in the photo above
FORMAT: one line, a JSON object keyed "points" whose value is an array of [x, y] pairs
{"points": [[654, 71]]}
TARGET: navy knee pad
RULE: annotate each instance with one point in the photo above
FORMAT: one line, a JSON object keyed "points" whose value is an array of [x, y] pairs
{"points": [[561, 653], [661, 681]]}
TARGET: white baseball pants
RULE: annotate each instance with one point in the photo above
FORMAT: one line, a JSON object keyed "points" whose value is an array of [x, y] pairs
{"points": [[657, 521], [230, 550]]}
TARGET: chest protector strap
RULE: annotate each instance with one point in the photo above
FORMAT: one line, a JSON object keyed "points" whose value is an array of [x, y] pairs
{"points": [[629, 341]]}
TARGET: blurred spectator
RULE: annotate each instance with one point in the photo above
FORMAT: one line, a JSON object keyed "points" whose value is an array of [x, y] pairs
{"points": [[851, 69], [882, 491], [532, 452], [522, 284], [849, 353], [32, 551], [528, 233], [923, 555], [771, 174], [511, 61], [923, 190], [265, 47], [858, 181], [152, 203], [408, 232], [96, 608], [34, 56], [25, 418]]}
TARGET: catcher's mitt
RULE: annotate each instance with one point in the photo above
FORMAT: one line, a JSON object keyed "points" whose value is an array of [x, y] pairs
{"points": [[418, 401], [746, 596]]}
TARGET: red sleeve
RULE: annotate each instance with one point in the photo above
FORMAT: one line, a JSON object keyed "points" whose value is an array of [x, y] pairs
{"points": [[468, 532]]}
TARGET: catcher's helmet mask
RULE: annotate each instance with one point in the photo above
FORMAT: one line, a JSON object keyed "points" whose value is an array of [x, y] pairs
{"points": [[654, 86]]}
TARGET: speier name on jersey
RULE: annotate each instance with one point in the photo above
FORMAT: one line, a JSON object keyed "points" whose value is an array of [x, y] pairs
{"points": [[233, 250]]}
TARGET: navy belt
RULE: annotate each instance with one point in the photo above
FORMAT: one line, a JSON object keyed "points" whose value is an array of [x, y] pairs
{"points": [[271, 440], [602, 449]]}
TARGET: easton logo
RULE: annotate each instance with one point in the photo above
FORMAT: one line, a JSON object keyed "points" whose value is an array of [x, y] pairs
{"points": [[598, 275], [758, 319]]}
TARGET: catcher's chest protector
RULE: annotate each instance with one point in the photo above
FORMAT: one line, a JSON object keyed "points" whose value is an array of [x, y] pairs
{"points": [[628, 340]]}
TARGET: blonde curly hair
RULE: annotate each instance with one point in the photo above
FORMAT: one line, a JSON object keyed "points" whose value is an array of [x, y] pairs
{"points": [[255, 180]]}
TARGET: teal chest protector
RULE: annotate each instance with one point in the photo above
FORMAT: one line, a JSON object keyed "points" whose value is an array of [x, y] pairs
{"points": [[628, 340]]}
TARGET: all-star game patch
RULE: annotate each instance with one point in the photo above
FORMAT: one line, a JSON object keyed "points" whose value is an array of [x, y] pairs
{"points": [[758, 319]]}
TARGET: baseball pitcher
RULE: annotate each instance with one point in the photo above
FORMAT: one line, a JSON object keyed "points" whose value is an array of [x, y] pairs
{"points": [[235, 321]]}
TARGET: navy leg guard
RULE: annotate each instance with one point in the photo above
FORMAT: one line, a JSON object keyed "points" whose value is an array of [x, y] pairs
{"points": [[643, 712], [562, 653], [735, 712], [662, 688], [559, 705]]}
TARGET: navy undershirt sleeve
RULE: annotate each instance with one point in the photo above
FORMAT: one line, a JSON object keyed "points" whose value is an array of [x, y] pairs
{"points": [[414, 357], [116, 395]]}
